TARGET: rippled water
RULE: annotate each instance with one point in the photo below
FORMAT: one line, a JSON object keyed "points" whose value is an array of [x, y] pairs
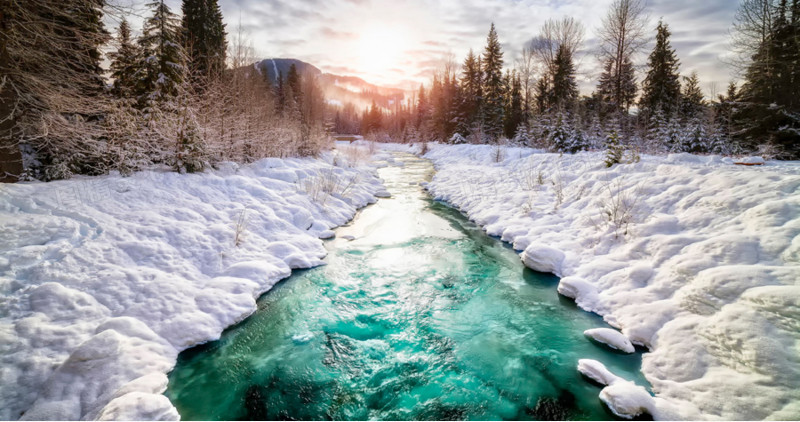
{"points": [[422, 316]]}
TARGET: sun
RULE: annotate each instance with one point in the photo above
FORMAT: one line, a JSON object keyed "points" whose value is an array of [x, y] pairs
{"points": [[381, 48]]}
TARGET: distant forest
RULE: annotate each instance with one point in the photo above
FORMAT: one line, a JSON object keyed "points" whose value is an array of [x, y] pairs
{"points": [[184, 93], [537, 103]]}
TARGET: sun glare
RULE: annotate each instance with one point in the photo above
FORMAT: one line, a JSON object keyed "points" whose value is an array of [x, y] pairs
{"points": [[380, 48]]}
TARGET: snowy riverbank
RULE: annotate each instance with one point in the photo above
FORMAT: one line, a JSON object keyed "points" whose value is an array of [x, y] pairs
{"points": [[694, 257], [105, 280]]}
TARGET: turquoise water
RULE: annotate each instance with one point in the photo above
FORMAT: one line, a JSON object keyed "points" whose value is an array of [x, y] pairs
{"points": [[421, 317]]}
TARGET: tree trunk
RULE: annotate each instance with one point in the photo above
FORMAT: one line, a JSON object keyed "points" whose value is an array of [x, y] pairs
{"points": [[10, 155]]}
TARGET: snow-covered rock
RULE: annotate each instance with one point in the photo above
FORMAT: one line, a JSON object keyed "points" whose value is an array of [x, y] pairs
{"points": [[611, 338], [624, 398], [754, 160], [543, 259], [104, 280], [685, 254]]}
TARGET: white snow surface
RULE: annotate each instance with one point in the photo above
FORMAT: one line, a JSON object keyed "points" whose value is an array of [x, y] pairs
{"points": [[694, 257], [104, 280]]}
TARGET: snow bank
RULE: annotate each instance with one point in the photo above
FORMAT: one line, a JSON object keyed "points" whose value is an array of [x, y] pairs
{"points": [[694, 257], [105, 280]]}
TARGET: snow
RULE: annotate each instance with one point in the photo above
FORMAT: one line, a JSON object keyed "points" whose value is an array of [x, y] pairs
{"points": [[611, 338], [104, 280], [625, 399], [693, 257]]}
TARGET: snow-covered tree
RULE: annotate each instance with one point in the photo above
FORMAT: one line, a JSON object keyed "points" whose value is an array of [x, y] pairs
{"points": [[694, 138], [163, 71], [614, 149]]}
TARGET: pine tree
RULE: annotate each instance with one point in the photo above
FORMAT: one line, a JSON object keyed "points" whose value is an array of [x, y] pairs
{"points": [[542, 96], [203, 37], [565, 88], [514, 112], [769, 107], [614, 149], [617, 88], [694, 139], [560, 137], [124, 62], [294, 93], [163, 68], [373, 120], [692, 99], [493, 110], [661, 89], [471, 82]]}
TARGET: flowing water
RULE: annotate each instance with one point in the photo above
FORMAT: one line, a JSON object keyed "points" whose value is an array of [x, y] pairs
{"points": [[421, 316]]}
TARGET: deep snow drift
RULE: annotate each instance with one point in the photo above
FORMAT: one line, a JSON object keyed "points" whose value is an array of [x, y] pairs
{"points": [[694, 257], [105, 280]]}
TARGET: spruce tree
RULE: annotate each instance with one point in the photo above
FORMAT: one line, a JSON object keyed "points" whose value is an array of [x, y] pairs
{"points": [[493, 110], [542, 96], [294, 93], [692, 100], [514, 111], [471, 81], [124, 62], [565, 88], [769, 107], [617, 88], [163, 70], [661, 89], [203, 34]]}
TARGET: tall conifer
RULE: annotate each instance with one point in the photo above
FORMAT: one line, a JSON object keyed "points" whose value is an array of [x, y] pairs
{"points": [[661, 89], [493, 110]]}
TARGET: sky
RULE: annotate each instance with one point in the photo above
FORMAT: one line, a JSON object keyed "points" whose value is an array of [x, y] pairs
{"points": [[401, 42]]}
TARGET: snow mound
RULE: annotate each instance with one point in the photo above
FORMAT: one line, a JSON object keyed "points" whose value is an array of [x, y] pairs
{"points": [[543, 259], [755, 160], [624, 398], [611, 338], [104, 280]]}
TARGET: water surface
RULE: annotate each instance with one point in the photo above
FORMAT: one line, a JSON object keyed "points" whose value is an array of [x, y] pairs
{"points": [[421, 316]]}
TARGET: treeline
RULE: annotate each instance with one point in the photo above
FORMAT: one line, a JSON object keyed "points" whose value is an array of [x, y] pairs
{"points": [[537, 102], [182, 95]]}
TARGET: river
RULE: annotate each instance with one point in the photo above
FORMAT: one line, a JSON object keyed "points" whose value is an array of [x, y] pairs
{"points": [[420, 316]]}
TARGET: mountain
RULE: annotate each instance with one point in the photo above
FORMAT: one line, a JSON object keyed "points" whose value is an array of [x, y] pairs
{"points": [[276, 67], [339, 90]]}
